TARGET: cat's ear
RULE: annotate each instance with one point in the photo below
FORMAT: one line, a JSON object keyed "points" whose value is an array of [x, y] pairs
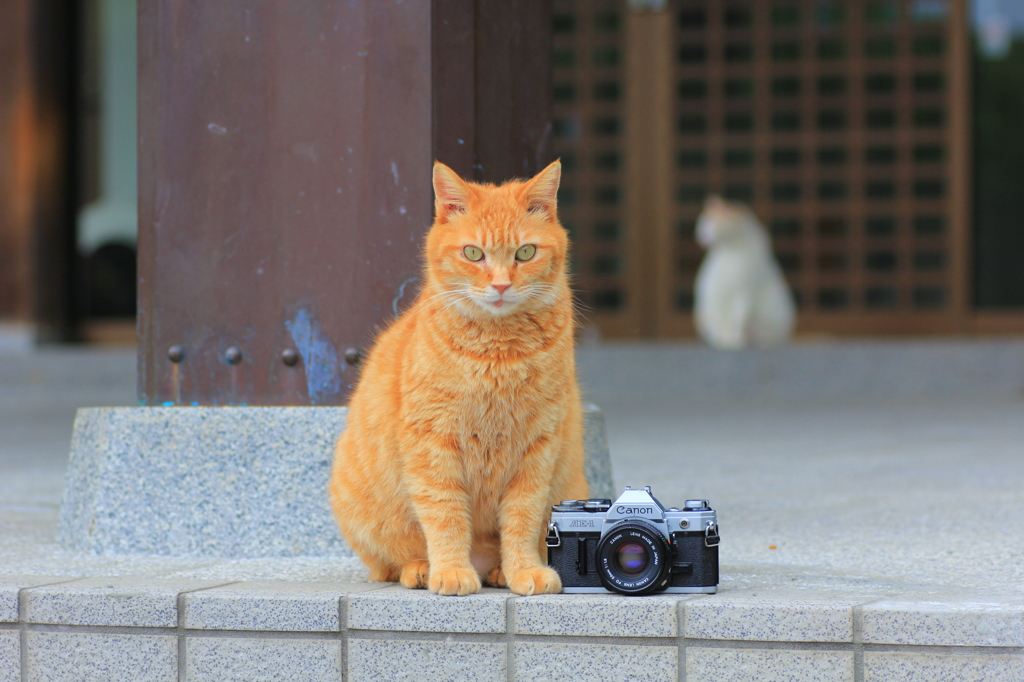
{"points": [[542, 190], [451, 195]]}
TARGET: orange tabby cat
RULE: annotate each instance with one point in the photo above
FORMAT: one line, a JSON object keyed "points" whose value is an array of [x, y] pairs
{"points": [[466, 424]]}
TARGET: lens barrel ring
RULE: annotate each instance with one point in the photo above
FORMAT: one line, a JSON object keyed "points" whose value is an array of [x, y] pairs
{"points": [[658, 557]]}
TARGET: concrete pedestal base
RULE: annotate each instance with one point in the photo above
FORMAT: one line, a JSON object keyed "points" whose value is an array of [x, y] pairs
{"points": [[242, 482]]}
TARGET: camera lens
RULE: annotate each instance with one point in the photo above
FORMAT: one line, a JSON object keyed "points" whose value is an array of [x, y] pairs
{"points": [[633, 557]]}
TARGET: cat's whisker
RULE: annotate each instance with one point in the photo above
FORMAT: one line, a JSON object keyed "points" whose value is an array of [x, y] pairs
{"points": [[548, 295], [580, 316], [445, 296], [456, 298], [455, 303], [444, 293], [577, 301]]}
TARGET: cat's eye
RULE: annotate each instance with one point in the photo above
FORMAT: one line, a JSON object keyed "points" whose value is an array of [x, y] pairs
{"points": [[526, 252], [473, 253]]}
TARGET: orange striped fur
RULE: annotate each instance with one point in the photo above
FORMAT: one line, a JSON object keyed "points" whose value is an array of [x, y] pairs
{"points": [[466, 424]]}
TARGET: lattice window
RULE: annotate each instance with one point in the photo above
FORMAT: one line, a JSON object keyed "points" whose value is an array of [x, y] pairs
{"points": [[588, 68], [836, 120], [831, 119]]}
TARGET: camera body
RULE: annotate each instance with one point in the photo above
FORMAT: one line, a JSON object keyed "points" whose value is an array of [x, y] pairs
{"points": [[634, 545]]}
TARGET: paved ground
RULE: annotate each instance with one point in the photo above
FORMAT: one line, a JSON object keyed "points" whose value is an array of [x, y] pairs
{"points": [[849, 466]]}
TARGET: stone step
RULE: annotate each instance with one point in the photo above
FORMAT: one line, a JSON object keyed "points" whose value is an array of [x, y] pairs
{"points": [[121, 628]]}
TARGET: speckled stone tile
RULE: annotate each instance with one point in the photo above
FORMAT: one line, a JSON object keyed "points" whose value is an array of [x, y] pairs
{"points": [[232, 481], [10, 656], [604, 615], [12, 585], [240, 659], [383, 660], [595, 662], [398, 608], [269, 605], [9, 603], [597, 462], [768, 665], [132, 602], [950, 622], [771, 617], [64, 657], [913, 667]]}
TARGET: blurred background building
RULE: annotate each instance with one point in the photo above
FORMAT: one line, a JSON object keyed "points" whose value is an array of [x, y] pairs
{"points": [[877, 139], [68, 205]]}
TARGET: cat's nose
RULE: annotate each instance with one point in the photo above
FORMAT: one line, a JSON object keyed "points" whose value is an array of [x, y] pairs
{"points": [[501, 287]]}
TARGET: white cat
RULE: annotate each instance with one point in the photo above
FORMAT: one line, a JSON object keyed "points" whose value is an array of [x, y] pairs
{"points": [[740, 297]]}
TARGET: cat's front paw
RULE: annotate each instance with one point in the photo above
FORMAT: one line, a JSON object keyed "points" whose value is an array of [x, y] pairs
{"points": [[540, 580], [415, 574], [460, 581], [496, 577]]}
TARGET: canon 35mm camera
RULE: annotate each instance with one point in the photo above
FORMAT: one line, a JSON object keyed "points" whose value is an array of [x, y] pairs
{"points": [[634, 545]]}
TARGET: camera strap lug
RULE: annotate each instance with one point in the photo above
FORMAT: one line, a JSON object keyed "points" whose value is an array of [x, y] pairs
{"points": [[711, 537], [553, 539]]}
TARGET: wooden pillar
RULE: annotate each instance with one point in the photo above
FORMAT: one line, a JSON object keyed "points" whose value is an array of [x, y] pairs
{"points": [[649, 166], [37, 102], [284, 176], [15, 115]]}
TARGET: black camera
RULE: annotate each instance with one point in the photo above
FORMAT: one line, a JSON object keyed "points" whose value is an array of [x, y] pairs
{"points": [[634, 545]]}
